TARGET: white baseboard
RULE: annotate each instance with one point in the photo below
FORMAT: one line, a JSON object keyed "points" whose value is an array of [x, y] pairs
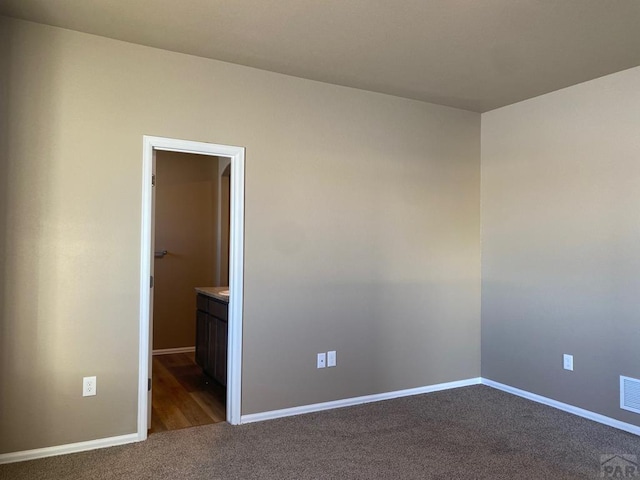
{"points": [[596, 417], [316, 407], [68, 448], [347, 402], [134, 437], [169, 351]]}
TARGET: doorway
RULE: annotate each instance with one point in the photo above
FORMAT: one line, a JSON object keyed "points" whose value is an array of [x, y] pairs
{"points": [[235, 155], [191, 236]]}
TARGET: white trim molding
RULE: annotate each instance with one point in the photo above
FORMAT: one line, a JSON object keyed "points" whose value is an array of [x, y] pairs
{"points": [[348, 402], [66, 449], [171, 351], [150, 145], [317, 407], [581, 412], [257, 417]]}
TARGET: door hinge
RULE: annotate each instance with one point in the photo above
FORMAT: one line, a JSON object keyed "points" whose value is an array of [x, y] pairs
{"points": [[151, 281], [153, 180], [148, 384]]}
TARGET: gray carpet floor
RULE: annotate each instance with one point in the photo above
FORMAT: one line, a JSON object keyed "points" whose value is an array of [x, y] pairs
{"points": [[467, 433]]}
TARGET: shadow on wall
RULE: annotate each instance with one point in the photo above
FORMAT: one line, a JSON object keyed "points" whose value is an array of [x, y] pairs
{"points": [[5, 341], [27, 81]]}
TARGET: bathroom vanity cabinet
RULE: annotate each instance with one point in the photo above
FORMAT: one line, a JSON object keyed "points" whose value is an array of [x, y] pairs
{"points": [[211, 333]]}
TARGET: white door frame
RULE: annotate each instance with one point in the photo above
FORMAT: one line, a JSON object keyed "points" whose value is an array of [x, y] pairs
{"points": [[236, 268]]}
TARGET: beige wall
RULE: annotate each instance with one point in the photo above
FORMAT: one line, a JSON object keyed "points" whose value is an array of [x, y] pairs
{"points": [[186, 215], [561, 242], [362, 230]]}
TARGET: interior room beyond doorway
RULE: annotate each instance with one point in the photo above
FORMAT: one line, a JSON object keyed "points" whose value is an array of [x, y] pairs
{"points": [[191, 250]]}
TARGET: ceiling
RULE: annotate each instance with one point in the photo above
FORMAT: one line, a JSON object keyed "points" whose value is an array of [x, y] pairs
{"points": [[472, 54]]}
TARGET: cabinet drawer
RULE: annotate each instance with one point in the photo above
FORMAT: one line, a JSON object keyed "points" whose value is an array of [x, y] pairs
{"points": [[218, 309], [202, 302]]}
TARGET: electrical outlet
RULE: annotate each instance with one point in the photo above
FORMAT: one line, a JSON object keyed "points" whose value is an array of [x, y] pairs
{"points": [[322, 360], [89, 385], [331, 358], [567, 362]]}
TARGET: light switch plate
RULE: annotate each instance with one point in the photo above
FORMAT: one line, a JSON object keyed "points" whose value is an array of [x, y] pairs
{"points": [[567, 362], [331, 358]]}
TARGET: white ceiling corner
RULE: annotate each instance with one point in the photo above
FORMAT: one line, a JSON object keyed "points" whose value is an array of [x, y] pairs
{"points": [[470, 54]]}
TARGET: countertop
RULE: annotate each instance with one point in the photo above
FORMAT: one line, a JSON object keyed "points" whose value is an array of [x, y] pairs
{"points": [[214, 292]]}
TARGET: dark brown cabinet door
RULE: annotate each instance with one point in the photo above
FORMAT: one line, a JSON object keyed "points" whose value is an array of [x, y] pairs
{"points": [[201, 337], [211, 337], [221, 351], [212, 343]]}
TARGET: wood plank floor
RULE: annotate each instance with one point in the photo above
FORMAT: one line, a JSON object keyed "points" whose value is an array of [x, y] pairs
{"points": [[182, 395]]}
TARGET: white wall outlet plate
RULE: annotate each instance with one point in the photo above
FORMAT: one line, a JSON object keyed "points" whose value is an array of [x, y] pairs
{"points": [[89, 386], [331, 358], [322, 360], [567, 362]]}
